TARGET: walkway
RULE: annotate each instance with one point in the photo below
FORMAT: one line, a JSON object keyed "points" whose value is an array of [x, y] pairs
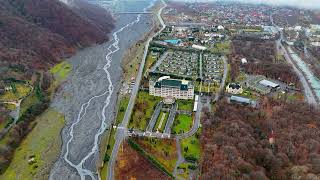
{"points": [[172, 115], [154, 117]]}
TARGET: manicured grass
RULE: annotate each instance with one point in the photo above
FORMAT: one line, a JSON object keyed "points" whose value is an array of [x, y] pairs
{"points": [[43, 143], [124, 101], [61, 71], [143, 110], [165, 114], [186, 105], [191, 146], [163, 150], [20, 90], [182, 123]]}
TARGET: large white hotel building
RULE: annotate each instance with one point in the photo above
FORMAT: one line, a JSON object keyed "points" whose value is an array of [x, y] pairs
{"points": [[167, 87]]}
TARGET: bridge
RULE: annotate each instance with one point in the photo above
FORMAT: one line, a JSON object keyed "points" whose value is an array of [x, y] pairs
{"points": [[133, 12]]}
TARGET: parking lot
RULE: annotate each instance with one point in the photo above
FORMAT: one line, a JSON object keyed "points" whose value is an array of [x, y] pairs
{"points": [[212, 68], [179, 63]]}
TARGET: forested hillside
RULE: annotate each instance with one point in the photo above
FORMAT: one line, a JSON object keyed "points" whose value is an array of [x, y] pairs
{"points": [[38, 33], [237, 141]]}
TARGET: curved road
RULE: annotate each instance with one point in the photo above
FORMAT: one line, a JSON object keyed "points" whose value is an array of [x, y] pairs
{"points": [[121, 132], [307, 90]]}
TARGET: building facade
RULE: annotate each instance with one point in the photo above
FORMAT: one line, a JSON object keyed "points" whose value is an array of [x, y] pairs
{"points": [[166, 87]]}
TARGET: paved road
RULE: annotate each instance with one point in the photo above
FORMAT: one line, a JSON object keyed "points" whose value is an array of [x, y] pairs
{"points": [[172, 115], [154, 117], [158, 63], [121, 133], [137, 132], [180, 158], [307, 90], [223, 81], [200, 66]]}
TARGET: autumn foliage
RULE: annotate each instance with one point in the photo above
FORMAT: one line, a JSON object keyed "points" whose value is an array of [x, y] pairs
{"points": [[235, 142], [262, 60], [38, 33]]}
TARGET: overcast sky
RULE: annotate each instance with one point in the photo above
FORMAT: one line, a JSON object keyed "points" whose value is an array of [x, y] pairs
{"points": [[313, 4]]}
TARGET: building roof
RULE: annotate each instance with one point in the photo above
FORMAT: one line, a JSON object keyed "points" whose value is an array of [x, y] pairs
{"points": [[173, 41], [240, 99], [198, 47], [175, 83], [234, 86], [268, 83]]}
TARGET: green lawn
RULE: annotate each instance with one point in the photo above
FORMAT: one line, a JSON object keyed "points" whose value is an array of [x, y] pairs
{"points": [[186, 105], [61, 71], [182, 123], [191, 146], [124, 101], [43, 143], [143, 110], [165, 114]]}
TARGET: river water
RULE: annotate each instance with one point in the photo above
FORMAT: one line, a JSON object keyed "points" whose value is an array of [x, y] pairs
{"points": [[88, 98]]}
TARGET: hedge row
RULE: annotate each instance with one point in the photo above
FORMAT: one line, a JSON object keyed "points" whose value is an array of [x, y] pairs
{"points": [[138, 148]]}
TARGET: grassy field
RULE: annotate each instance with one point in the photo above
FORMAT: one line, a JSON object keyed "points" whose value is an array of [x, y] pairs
{"points": [[186, 171], [27, 102], [43, 143], [61, 71], [162, 150], [191, 146], [124, 101], [182, 124], [19, 91], [109, 146], [242, 76], [222, 47], [143, 110], [165, 114], [5, 123], [186, 105], [149, 62], [249, 94]]}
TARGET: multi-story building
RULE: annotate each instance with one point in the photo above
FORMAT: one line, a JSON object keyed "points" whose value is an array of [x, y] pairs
{"points": [[167, 87]]}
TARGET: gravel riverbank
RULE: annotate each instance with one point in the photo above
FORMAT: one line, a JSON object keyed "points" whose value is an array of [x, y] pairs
{"points": [[87, 80]]}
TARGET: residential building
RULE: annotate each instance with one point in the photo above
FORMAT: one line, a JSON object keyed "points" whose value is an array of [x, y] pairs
{"points": [[167, 87], [234, 88]]}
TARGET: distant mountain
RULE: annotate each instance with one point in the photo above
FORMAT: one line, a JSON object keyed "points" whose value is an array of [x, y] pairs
{"points": [[35, 34]]}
